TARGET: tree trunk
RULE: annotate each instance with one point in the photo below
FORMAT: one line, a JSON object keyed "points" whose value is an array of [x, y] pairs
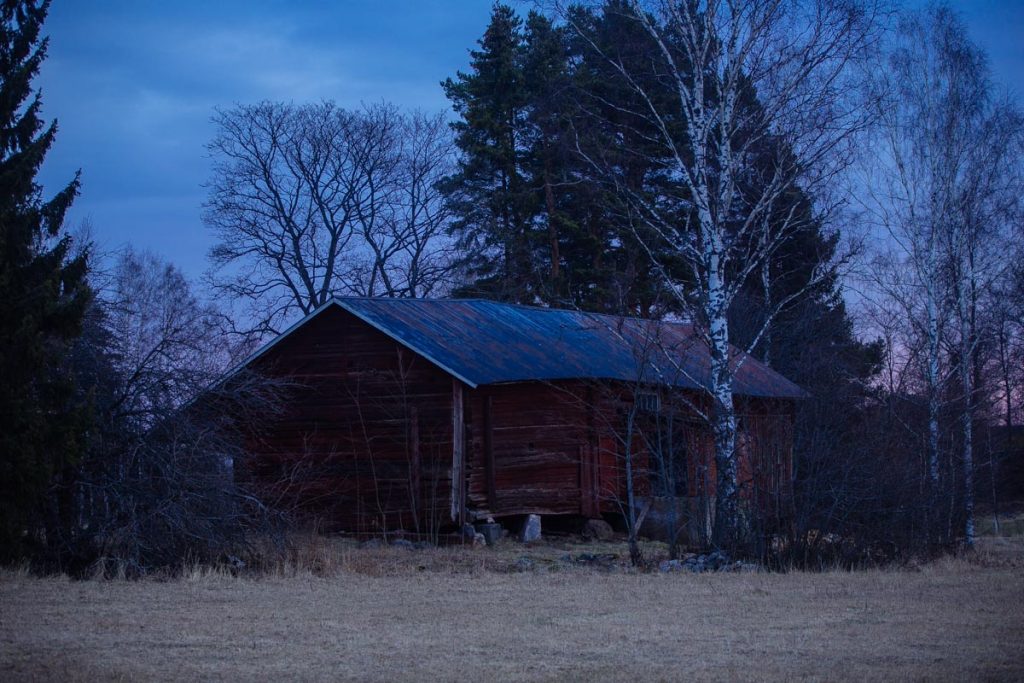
{"points": [[726, 534], [549, 199], [932, 372], [766, 286], [635, 556], [967, 416]]}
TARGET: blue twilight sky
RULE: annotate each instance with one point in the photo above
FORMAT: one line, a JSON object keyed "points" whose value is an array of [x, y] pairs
{"points": [[134, 82]]}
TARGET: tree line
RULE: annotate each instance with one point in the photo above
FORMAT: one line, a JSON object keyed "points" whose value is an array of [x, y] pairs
{"points": [[754, 167]]}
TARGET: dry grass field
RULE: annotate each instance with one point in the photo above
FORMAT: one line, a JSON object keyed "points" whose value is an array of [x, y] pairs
{"points": [[452, 614]]}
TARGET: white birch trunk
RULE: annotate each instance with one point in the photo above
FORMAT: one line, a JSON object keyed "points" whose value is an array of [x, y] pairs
{"points": [[933, 388], [726, 532], [965, 285], [932, 379], [967, 420]]}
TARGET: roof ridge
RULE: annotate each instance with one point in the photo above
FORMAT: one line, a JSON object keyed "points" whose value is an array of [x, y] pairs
{"points": [[506, 304]]}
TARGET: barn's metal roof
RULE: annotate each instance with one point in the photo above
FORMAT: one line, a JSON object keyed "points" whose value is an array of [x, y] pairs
{"points": [[486, 342]]}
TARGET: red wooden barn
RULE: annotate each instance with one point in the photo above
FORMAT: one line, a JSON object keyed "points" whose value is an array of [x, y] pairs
{"points": [[424, 414]]}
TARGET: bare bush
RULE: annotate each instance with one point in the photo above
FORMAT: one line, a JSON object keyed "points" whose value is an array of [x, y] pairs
{"points": [[157, 485]]}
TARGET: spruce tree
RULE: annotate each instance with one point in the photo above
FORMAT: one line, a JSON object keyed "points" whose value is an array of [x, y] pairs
{"points": [[545, 73], [43, 293]]}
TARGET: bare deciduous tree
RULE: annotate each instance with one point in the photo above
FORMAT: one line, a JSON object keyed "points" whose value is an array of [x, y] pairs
{"points": [[945, 183], [166, 343], [313, 201]]}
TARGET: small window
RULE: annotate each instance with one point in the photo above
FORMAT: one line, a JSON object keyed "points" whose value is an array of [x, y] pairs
{"points": [[648, 402]]}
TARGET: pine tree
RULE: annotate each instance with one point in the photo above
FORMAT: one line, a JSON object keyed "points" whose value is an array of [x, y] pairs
{"points": [[536, 222], [43, 293], [545, 73], [490, 192], [616, 272], [587, 258]]}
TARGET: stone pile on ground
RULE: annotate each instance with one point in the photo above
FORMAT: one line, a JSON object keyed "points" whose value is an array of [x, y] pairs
{"points": [[715, 561]]}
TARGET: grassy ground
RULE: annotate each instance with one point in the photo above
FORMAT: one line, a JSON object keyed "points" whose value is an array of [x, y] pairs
{"points": [[1010, 524], [394, 615]]}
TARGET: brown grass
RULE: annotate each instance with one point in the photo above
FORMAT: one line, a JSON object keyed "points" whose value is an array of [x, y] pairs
{"points": [[1010, 524], [446, 614]]}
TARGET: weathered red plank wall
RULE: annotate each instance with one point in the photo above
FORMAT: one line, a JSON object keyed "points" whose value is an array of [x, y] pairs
{"points": [[551, 448], [365, 442], [525, 448]]}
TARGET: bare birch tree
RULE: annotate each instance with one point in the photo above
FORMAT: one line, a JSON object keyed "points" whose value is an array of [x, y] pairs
{"points": [[314, 201], [947, 178], [755, 98], [167, 344], [977, 246]]}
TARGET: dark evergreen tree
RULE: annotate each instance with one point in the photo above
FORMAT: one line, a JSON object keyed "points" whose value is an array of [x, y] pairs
{"points": [[544, 71], [536, 221], [43, 292], [617, 164], [795, 296], [490, 193]]}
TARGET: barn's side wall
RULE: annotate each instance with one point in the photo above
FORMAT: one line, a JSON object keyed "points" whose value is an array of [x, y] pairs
{"points": [[365, 442], [529, 447], [764, 449], [554, 448]]}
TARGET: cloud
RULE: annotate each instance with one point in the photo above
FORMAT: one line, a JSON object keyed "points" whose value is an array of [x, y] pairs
{"points": [[134, 86]]}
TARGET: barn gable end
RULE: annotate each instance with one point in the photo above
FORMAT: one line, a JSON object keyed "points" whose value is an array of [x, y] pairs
{"points": [[365, 441]]}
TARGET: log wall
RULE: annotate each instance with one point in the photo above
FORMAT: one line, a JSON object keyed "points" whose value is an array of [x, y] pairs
{"points": [[528, 448]]}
